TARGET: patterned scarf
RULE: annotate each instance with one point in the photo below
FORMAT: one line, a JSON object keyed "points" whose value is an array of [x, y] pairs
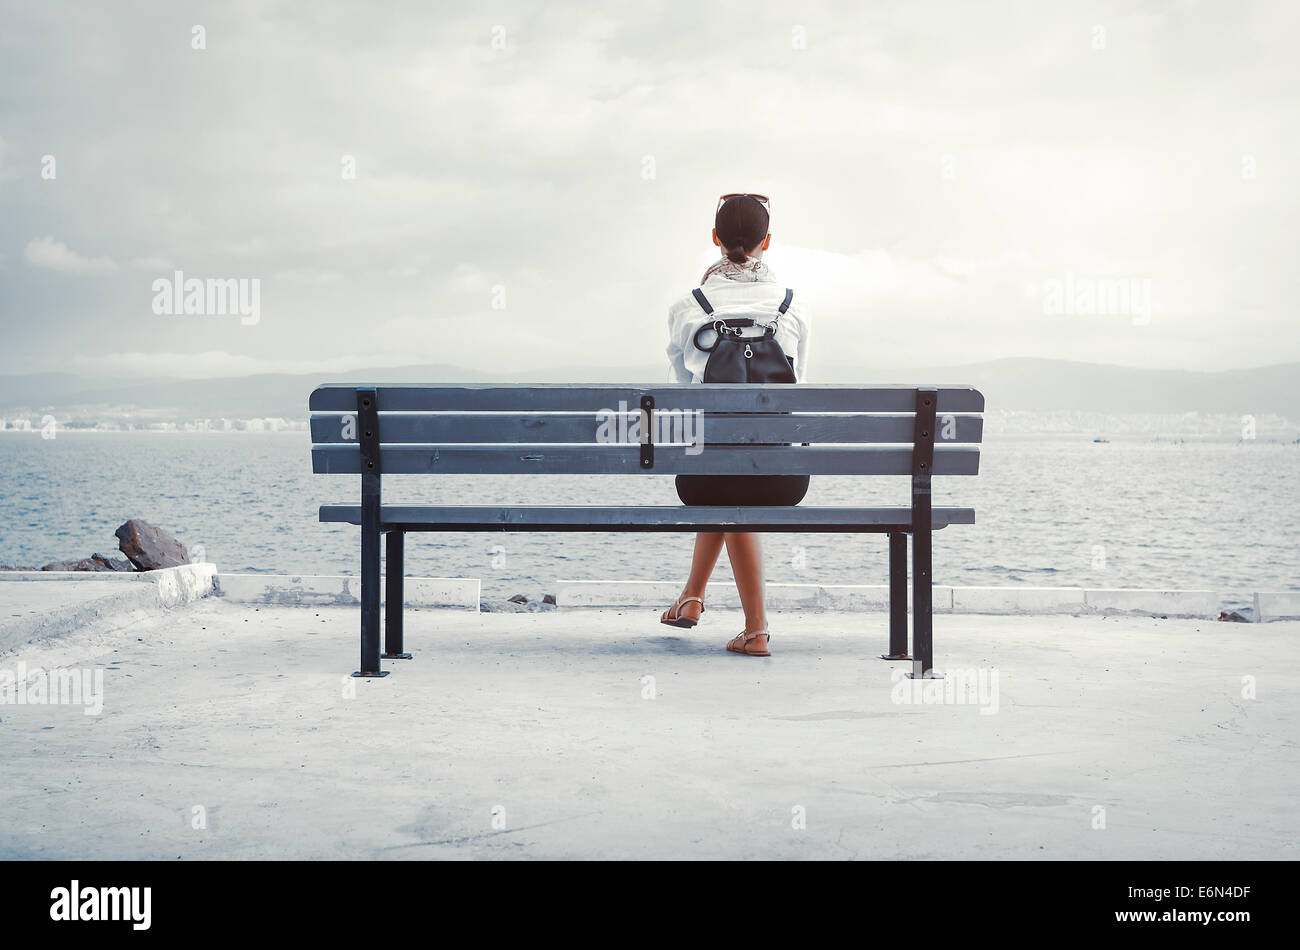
{"points": [[753, 269]]}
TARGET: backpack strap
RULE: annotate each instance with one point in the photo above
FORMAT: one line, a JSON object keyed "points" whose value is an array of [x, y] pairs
{"points": [[702, 300], [780, 311]]}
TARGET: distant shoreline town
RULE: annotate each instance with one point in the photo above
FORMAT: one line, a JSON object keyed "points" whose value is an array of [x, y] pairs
{"points": [[1096, 426], [43, 424]]}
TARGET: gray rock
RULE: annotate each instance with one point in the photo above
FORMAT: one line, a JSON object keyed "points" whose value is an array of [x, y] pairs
{"points": [[96, 562], [512, 606], [85, 564], [112, 563], [150, 548]]}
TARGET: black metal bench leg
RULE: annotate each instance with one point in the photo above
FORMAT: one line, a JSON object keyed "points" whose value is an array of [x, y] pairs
{"points": [[897, 597], [394, 570], [369, 595], [367, 422], [922, 532], [922, 591]]}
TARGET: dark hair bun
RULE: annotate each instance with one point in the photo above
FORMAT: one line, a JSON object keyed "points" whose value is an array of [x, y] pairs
{"points": [[741, 224]]}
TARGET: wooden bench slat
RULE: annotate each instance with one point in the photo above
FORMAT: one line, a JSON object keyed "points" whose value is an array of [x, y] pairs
{"points": [[565, 397], [794, 518], [625, 459], [747, 428]]}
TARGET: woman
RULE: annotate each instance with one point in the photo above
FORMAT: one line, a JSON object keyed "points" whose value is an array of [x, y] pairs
{"points": [[739, 284]]}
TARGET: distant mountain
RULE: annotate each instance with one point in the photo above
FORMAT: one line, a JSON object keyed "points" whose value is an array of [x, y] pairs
{"points": [[265, 394], [35, 390], [1017, 384], [1024, 384]]}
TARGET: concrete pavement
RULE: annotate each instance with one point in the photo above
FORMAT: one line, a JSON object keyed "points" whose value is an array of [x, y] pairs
{"points": [[233, 731]]}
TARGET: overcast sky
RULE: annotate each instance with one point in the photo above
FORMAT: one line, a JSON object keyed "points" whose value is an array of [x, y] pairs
{"points": [[938, 172]]}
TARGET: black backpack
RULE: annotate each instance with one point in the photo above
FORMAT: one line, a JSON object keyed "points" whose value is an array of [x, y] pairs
{"points": [[737, 359]]}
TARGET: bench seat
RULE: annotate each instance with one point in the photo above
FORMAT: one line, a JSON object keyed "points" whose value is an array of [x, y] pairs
{"points": [[775, 518]]}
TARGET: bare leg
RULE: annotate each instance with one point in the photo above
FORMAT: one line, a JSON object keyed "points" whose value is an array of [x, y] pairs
{"points": [[708, 545], [746, 554]]}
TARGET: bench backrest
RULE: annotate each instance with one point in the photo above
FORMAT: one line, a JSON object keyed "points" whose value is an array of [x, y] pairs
{"points": [[709, 429]]}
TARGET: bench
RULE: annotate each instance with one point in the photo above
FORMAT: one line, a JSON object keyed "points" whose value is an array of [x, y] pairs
{"points": [[615, 429]]}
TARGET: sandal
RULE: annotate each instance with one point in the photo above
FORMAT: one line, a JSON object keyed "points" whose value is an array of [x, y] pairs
{"points": [[672, 617], [749, 643]]}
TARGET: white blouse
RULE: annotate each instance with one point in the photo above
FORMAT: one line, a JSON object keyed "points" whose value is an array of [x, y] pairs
{"points": [[734, 298]]}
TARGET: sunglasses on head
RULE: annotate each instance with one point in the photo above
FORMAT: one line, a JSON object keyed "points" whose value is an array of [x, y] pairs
{"points": [[764, 200]]}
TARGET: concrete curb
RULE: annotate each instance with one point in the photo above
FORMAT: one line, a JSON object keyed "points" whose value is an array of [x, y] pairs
{"points": [[1164, 603], [1277, 605], [865, 597], [1018, 600], [123, 577], [153, 590], [647, 593], [138, 595], [308, 590]]}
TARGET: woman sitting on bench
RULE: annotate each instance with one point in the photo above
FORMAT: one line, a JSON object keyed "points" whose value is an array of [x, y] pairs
{"points": [[739, 288]]}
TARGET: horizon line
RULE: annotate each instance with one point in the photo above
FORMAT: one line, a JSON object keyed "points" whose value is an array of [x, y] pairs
{"points": [[827, 369]]}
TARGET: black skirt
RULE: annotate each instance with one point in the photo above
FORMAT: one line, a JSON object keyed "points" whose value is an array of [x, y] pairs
{"points": [[741, 489]]}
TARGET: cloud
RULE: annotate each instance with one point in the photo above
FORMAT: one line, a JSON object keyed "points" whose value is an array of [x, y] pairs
{"points": [[50, 254], [7, 170], [152, 263], [924, 170], [309, 275]]}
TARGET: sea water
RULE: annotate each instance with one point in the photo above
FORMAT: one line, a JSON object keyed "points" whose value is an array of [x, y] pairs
{"points": [[1052, 509]]}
